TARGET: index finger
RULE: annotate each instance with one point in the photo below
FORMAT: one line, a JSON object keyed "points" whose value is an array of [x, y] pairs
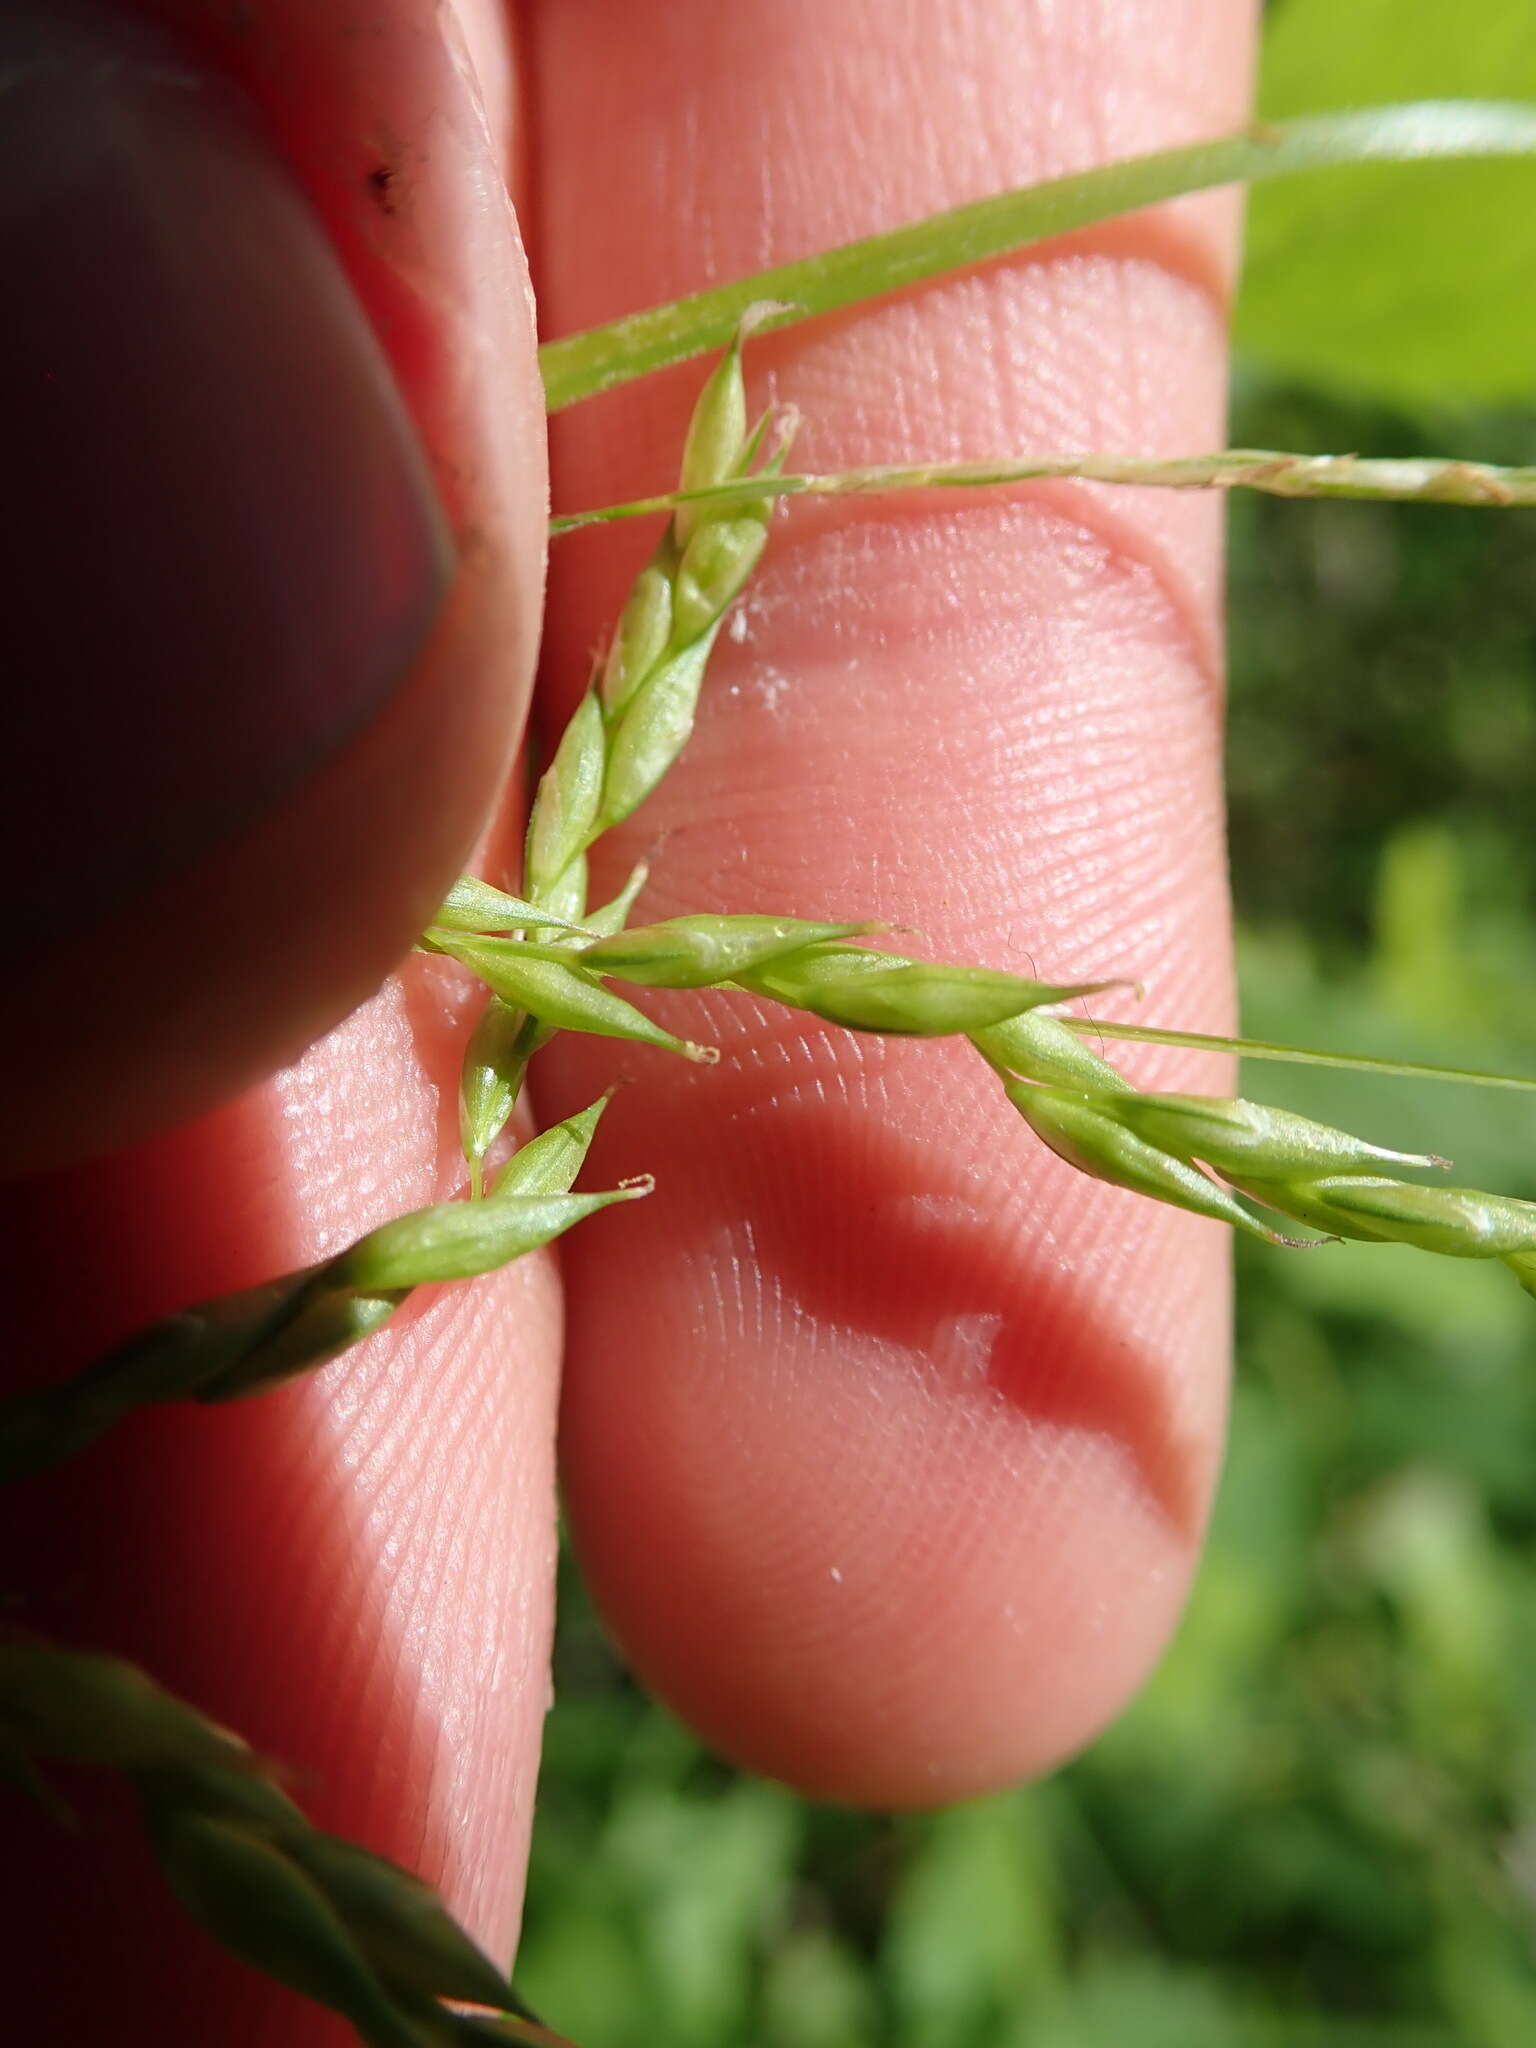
{"points": [[888, 1442]]}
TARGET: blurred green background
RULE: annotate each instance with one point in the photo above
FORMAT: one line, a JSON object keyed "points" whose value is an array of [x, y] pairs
{"points": [[1317, 1828]]}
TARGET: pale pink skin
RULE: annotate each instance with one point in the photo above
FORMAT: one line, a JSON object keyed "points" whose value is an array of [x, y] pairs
{"points": [[887, 1439]]}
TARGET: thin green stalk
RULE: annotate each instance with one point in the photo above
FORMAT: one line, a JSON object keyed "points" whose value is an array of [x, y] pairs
{"points": [[1297, 1055], [579, 365], [1427, 480]]}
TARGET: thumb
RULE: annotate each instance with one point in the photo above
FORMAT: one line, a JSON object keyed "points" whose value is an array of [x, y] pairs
{"points": [[272, 544]]}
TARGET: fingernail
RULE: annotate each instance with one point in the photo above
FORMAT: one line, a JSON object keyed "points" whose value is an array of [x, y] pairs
{"points": [[220, 547]]}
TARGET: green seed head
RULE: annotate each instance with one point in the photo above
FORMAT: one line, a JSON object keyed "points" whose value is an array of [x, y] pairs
{"points": [[1237, 1137], [238, 1341], [701, 951], [397, 1921], [549, 1163], [474, 906], [718, 447], [79, 1707], [565, 809], [1299, 1200], [717, 432], [867, 991], [567, 894], [1042, 1048], [1086, 1131], [716, 564], [495, 1061], [644, 632], [254, 1899], [329, 1322], [455, 1240], [506, 1037], [565, 997], [1460, 1223], [653, 729]]}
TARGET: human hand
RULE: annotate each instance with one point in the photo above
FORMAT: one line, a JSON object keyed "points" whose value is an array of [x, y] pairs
{"points": [[887, 1443]]}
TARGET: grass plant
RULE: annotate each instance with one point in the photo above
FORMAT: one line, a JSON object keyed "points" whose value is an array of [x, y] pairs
{"points": [[347, 1929]]}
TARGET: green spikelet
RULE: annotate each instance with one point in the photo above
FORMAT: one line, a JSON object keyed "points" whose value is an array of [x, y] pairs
{"points": [[1090, 1136], [872, 992]]}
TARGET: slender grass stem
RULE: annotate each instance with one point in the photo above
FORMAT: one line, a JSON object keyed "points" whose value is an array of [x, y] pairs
{"points": [[1433, 480], [1305, 1056]]}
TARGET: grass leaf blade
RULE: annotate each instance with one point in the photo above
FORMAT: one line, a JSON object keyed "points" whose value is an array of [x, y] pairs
{"points": [[579, 365]]}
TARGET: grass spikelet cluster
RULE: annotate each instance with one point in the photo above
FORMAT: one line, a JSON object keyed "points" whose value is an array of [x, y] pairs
{"points": [[1200, 1152], [630, 726], [346, 1928], [241, 1344]]}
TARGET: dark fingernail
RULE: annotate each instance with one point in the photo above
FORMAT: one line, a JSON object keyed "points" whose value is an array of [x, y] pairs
{"points": [[220, 548]]}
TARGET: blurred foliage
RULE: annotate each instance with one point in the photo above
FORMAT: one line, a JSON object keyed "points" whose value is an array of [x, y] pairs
{"points": [[1382, 659], [1417, 286], [1317, 1827]]}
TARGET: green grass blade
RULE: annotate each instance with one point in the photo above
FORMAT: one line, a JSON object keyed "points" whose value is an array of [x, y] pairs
{"points": [[579, 365]]}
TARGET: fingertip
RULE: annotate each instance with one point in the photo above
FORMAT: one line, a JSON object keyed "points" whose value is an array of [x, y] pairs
{"points": [[889, 1476], [894, 1341]]}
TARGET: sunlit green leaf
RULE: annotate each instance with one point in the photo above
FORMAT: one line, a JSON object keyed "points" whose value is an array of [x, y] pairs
{"points": [[1416, 287]]}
